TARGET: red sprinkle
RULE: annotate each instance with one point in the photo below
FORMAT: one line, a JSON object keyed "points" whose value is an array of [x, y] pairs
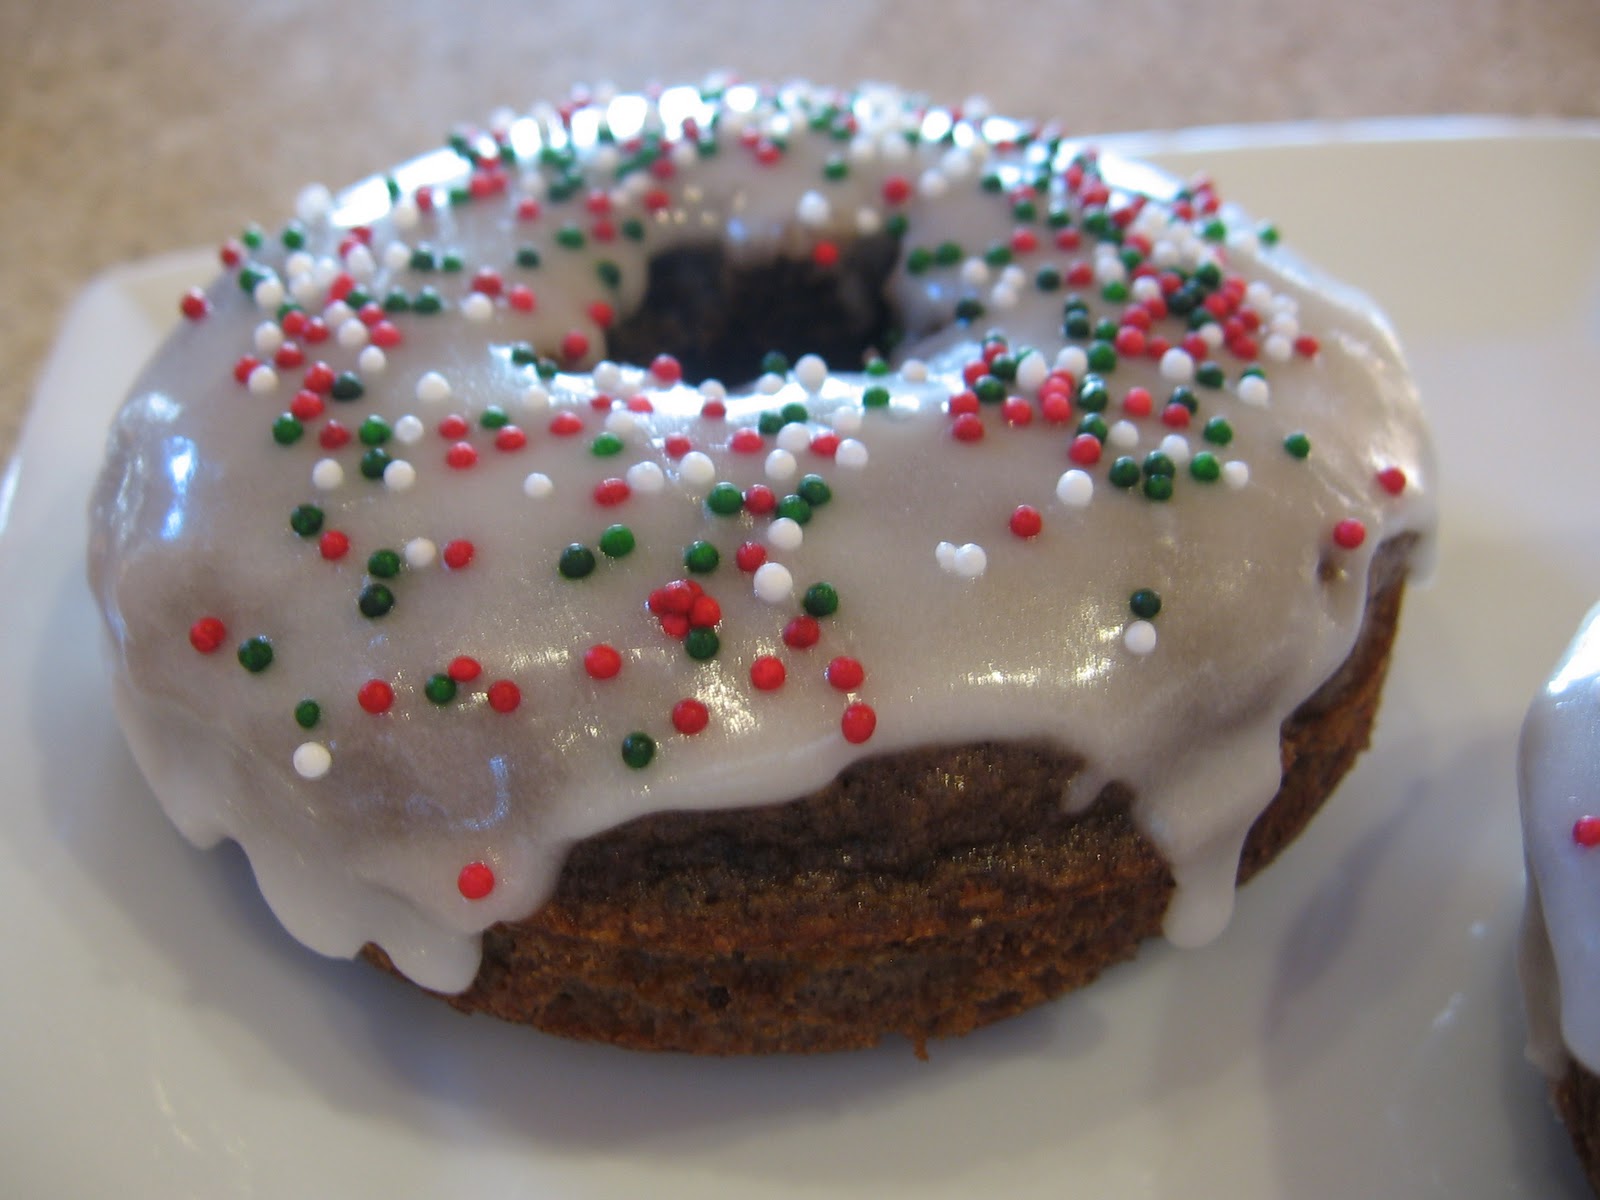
{"points": [[1586, 831], [759, 500], [1026, 521], [333, 436], [566, 423], [825, 255], [704, 613], [476, 880], [858, 722], [1016, 411], [207, 634], [574, 345], [802, 632], [504, 696], [375, 696], [1392, 480], [749, 555], [1085, 450], [666, 369], [745, 441], [677, 445], [602, 661], [194, 304], [458, 553], [453, 428], [844, 673], [509, 437], [690, 716], [334, 545], [462, 456], [768, 673], [463, 669], [1349, 533], [967, 427], [610, 492]]}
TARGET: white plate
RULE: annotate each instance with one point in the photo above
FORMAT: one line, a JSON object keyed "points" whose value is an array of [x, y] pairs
{"points": [[1355, 1033]]}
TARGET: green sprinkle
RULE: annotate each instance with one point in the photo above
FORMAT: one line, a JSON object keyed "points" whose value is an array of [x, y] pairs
{"points": [[1048, 279], [1158, 487], [1093, 396], [1204, 467], [1268, 233], [875, 396], [252, 236], [428, 302], [1145, 603], [1217, 431], [835, 169], [795, 413], [701, 557], [523, 355], [396, 301], [877, 368], [528, 256], [1210, 374], [451, 260], [617, 541], [494, 417], [255, 654], [375, 600], [633, 229], [821, 600], [1158, 464], [1124, 472], [441, 689], [1095, 425], [1214, 230], [774, 363], [969, 308], [638, 749], [1114, 292], [1004, 367], [989, 390], [605, 445], [307, 713], [997, 255], [385, 563], [795, 507], [1182, 395], [347, 385], [608, 272], [293, 236], [896, 224], [725, 499], [306, 520], [570, 237], [814, 490], [576, 561], [918, 260], [286, 430], [1102, 356], [374, 462], [702, 643], [357, 298], [769, 423], [1297, 444], [947, 254], [1076, 324], [374, 431], [424, 259]]}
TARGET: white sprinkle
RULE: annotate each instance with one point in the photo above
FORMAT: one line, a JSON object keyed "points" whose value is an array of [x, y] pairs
{"points": [[372, 361], [846, 420], [399, 476], [770, 383], [327, 474], [851, 453], [353, 334], [1211, 334], [537, 486], [932, 185], [307, 292], [1285, 323], [268, 294], [794, 437], [536, 398], [646, 476], [1003, 296], [1278, 348], [1235, 473], [337, 313], [945, 555], [975, 272], [1074, 360], [408, 430], [313, 203], [622, 423], [1253, 390], [1108, 268], [696, 470], [359, 262], [914, 370], [813, 209], [1139, 637], [263, 381], [971, 561], [1177, 366], [419, 553], [1013, 276], [1176, 447], [325, 272], [1124, 435], [868, 221], [1145, 287], [396, 255], [607, 376], [475, 306], [811, 372], [432, 388], [1031, 371], [405, 213], [773, 582], [785, 534], [712, 389], [268, 337], [781, 464], [312, 760], [1075, 488]]}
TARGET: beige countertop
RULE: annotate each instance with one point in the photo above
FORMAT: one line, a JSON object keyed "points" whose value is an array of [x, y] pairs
{"points": [[128, 130]]}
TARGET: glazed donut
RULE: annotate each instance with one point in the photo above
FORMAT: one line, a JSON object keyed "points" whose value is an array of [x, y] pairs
{"points": [[744, 568]]}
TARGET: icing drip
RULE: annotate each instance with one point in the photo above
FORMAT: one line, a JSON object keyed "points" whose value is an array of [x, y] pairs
{"points": [[1559, 782], [510, 593]]}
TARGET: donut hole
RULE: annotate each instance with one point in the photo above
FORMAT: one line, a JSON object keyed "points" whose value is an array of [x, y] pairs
{"points": [[720, 318]]}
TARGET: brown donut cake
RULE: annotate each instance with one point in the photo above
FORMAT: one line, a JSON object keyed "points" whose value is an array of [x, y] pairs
{"points": [[1559, 783], [743, 569]]}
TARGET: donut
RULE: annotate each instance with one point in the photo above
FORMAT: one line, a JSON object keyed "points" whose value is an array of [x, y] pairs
{"points": [[743, 568], [1559, 782]]}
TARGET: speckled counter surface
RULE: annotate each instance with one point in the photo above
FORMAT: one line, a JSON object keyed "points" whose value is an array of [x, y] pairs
{"points": [[128, 130]]}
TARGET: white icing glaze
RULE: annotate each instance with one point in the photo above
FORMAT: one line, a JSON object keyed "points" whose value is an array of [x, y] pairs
{"points": [[1559, 783], [1000, 636]]}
